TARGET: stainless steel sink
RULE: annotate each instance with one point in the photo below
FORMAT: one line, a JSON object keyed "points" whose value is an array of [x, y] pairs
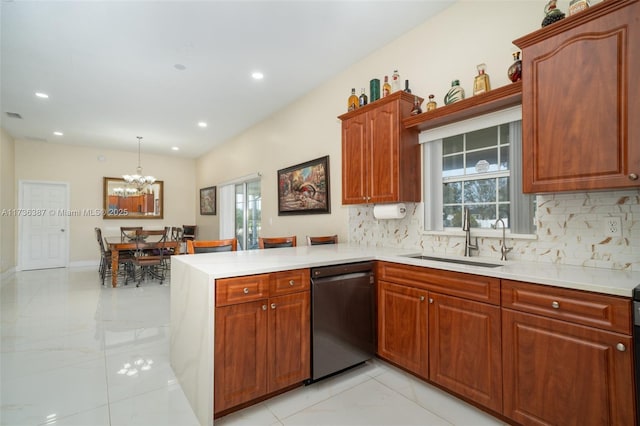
{"points": [[460, 261]]}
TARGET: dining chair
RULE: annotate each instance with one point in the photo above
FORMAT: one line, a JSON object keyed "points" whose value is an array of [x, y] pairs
{"points": [[328, 239], [211, 246], [124, 259], [149, 257], [129, 232], [188, 232], [274, 242]]}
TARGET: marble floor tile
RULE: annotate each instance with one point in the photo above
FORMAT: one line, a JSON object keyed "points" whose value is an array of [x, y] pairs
{"points": [[75, 353]]}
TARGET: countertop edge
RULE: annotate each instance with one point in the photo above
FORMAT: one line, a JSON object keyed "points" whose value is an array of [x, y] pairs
{"points": [[251, 262]]}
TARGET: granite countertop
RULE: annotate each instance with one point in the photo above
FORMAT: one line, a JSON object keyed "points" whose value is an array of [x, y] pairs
{"points": [[232, 264]]}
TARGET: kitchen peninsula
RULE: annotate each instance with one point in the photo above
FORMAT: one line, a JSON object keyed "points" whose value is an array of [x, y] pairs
{"points": [[193, 289]]}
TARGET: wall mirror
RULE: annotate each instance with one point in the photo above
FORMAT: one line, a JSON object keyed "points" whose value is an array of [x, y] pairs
{"points": [[126, 201]]}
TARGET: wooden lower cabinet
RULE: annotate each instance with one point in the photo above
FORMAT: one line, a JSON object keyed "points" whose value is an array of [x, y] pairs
{"points": [[402, 326], [240, 361], [465, 348], [558, 373], [289, 340], [450, 341], [260, 346]]}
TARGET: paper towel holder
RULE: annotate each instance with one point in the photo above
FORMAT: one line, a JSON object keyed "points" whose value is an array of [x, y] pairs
{"points": [[389, 211]]}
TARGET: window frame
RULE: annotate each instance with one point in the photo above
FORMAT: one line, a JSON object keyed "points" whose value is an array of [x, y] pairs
{"points": [[521, 205]]}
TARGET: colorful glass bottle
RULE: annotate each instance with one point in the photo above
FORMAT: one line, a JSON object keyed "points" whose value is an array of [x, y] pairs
{"points": [[431, 105], [353, 102], [481, 82], [515, 70], [455, 94]]}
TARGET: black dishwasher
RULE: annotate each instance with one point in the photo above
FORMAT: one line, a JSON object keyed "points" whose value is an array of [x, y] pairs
{"points": [[343, 317]]}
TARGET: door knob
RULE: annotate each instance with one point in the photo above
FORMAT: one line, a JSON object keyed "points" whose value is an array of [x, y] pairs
{"points": [[633, 176]]}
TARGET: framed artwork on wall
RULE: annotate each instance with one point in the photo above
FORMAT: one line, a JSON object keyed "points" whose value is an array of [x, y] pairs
{"points": [[304, 188], [208, 201]]}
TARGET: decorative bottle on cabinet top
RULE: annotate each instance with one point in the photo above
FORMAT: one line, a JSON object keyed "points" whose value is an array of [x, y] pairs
{"points": [[353, 101], [374, 89], [551, 13], [431, 105], [395, 81], [416, 106], [481, 83], [515, 70], [455, 94], [386, 87], [363, 100]]}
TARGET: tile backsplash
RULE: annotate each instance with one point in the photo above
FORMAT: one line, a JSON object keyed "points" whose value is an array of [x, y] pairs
{"points": [[570, 231]]}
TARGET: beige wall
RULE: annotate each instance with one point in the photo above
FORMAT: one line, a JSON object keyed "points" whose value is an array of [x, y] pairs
{"points": [[7, 201], [83, 169], [445, 48]]}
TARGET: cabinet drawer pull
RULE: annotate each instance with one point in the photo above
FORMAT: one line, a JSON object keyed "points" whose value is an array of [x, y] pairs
{"points": [[245, 290], [291, 282], [633, 176], [621, 347], [555, 305], [273, 306]]}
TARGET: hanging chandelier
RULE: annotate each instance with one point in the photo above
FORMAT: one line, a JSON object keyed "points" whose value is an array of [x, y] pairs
{"points": [[138, 180]]}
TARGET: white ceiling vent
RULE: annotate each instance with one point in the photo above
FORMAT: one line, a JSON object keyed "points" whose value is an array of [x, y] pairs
{"points": [[14, 115]]}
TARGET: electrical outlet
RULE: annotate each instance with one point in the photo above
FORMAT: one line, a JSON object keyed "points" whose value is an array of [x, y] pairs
{"points": [[613, 226]]}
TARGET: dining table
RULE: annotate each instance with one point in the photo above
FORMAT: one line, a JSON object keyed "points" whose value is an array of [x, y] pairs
{"points": [[119, 243]]}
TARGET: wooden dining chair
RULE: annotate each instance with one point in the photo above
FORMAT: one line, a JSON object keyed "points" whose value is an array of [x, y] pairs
{"points": [[150, 254], [211, 246], [328, 239], [188, 232], [274, 242], [124, 259], [129, 232]]}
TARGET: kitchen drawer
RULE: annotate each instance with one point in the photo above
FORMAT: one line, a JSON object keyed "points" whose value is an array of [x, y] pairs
{"points": [[286, 282], [468, 286], [230, 291], [581, 307]]}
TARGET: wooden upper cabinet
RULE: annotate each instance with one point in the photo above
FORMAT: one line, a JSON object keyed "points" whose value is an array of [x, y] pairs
{"points": [[380, 157], [581, 101]]}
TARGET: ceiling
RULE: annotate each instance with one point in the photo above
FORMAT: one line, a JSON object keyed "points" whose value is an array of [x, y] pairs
{"points": [[115, 70]]}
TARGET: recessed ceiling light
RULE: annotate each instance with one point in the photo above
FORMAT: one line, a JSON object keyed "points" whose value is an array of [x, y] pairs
{"points": [[202, 124], [257, 75], [58, 133], [42, 95], [175, 148]]}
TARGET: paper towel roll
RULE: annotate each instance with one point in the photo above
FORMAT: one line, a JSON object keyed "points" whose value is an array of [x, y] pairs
{"points": [[389, 211]]}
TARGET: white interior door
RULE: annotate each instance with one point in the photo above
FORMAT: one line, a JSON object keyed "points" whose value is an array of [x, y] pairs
{"points": [[43, 223]]}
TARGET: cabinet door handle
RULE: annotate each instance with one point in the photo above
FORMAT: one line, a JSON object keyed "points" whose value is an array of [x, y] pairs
{"points": [[621, 347], [633, 176], [273, 306], [291, 282], [422, 298], [555, 305], [430, 300], [245, 290], [264, 307]]}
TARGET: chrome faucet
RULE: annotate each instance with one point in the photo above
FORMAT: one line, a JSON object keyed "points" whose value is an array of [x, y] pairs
{"points": [[503, 246], [466, 226]]}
